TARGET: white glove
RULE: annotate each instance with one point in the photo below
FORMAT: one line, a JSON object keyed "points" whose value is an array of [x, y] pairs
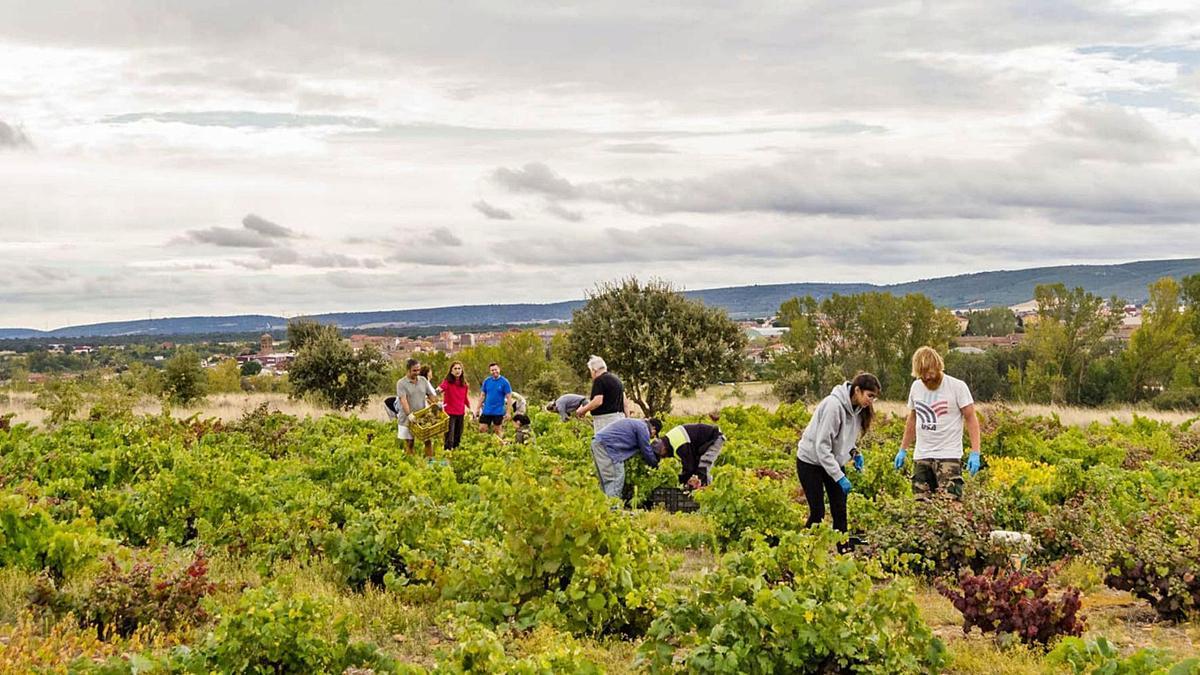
{"points": [[412, 417]]}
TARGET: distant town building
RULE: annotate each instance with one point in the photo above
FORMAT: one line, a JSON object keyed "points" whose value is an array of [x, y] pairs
{"points": [[967, 350], [983, 342]]}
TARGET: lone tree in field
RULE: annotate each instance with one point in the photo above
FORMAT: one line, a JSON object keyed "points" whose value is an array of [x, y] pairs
{"points": [[183, 378], [656, 340], [329, 368]]}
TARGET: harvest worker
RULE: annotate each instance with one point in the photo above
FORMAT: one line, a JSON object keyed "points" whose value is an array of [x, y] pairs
{"points": [[829, 442], [938, 407], [413, 393], [457, 396], [519, 405], [697, 447], [616, 443], [565, 405], [607, 403], [493, 407]]}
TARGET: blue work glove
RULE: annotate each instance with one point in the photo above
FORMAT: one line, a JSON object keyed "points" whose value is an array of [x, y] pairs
{"points": [[899, 463], [858, 462], [973, 463], [845, 483]]}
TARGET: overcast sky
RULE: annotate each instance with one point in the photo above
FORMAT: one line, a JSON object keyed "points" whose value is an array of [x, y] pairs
{"points": [[181, 158]]}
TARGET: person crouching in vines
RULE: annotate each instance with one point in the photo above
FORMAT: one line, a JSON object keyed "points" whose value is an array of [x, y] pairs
{"points": [[829, 442]]}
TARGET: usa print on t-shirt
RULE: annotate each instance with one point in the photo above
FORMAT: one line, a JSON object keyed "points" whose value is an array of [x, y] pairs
{"points": [[929, 410]]}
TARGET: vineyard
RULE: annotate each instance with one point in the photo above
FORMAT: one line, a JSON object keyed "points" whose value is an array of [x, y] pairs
{"points": [[273, 544]]}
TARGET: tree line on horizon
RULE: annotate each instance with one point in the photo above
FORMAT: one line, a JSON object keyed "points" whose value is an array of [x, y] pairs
{"points": [[664, 344]]}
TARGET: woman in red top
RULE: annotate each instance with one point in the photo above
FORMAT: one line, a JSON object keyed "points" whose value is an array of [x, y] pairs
{"points": [[457, 400]]}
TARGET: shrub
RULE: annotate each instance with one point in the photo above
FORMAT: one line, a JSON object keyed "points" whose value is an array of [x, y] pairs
{"points": [[1178, 399], [641, 479], [31, 539], [563, 557], [931, 537], [264, 633], [120, 601], [796, 608], [30, 646], [740, 502], [1100, 657], [480, 650], [793, 387], [1161, 562], [183, 378], [331, 370], [62, 399], [1015, 603], [385, 546]]}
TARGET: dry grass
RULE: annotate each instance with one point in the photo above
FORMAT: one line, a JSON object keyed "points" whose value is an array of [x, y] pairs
{"points": [[223, 406], [232, 406], [759, 393]]}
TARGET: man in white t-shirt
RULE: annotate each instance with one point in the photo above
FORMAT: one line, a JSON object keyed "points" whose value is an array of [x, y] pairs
{"points": [[939, 407]]}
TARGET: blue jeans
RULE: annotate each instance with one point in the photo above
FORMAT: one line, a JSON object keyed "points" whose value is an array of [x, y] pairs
{"points": [[610, 472]]}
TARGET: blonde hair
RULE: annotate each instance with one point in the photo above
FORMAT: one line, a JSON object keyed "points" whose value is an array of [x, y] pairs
{"points": [[926, 363]]}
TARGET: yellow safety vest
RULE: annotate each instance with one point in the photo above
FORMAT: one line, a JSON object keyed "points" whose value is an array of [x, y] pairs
{"points": [[678, 437]]}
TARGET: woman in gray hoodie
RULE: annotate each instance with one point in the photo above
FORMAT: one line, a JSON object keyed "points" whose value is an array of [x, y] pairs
{"points": [[829, 442]]}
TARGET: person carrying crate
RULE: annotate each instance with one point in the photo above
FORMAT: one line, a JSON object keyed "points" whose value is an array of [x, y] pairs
{"points": [[697, 447], [413, 394]]}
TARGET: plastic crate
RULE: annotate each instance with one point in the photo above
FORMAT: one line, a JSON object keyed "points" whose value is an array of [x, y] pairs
{"points": [[674, 500], [429, 423]]}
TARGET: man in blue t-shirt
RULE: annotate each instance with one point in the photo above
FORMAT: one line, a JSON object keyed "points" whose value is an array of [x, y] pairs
{"points": [[494, 404]]}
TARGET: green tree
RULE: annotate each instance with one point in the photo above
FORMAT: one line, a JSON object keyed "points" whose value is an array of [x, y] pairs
{"points": [[980, 372], [183, 379], [1162, 341], [656, 340], [994, 322], [1190, 290], [522, 358], [329, 369], [923, 324], [224, 378], [832, 340], [1070, 331], [251, 368], [301, 332]]}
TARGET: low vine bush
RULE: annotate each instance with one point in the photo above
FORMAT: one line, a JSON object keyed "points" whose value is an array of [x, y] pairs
{"points": [[1161, 562], [1015, 603], [267, 633], [1101, 657], [798, 608], [563, 558], [30, 538], [125, 598], [744, 503], [935, 537]]}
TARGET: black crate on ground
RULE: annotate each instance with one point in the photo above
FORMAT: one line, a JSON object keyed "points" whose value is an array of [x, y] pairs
{"points": [[674, 500]]}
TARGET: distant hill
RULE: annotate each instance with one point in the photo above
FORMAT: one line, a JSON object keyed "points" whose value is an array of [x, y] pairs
{"points": [[983, 289]]}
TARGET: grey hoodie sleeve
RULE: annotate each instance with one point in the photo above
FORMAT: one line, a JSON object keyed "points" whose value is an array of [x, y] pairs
{"points": [[828, 419]]}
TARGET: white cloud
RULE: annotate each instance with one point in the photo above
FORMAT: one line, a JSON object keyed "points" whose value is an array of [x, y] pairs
{"points": [[719, 144]]}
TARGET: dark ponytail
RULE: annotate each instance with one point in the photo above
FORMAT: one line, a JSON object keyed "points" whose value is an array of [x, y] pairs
{"points": [[865, 382]]}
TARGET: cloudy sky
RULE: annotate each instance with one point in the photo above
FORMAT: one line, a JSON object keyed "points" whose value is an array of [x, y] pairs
{"points": [[180, 158]]}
